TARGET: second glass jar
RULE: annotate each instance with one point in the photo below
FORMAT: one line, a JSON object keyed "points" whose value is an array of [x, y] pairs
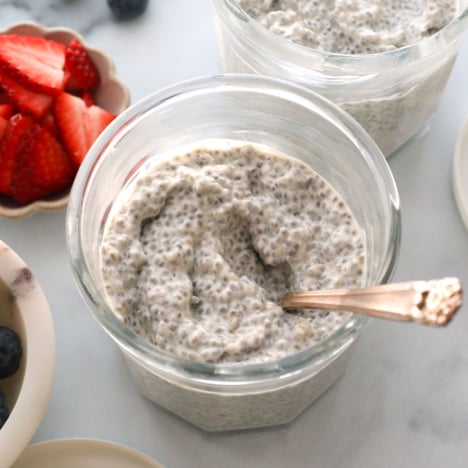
{"points": [[391, 94]]}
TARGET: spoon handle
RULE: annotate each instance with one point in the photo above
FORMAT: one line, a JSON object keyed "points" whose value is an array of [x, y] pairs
{"points": [[432, 302]]}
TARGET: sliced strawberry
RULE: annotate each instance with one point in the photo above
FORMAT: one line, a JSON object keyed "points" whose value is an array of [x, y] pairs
{"points": [[16, 131], [37, 61], [53, 169], [80, 69], [7, 110], [22, 187], [48, 122], [27, 100], [3, 127], [87, 98], [40, 165], [78, 124], [4, 99]]}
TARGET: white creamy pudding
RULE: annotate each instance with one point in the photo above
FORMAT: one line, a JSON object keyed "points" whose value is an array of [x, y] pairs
{"points": [[200, 246], [352, 26], [395, 56]]}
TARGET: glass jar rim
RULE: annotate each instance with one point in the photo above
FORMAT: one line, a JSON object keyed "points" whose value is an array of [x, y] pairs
{"points": [[287, 50], [141, 349]]}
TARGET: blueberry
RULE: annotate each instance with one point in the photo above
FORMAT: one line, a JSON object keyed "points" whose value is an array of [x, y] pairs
{"points": [[10, 352], [4, 411], [127, 9]]}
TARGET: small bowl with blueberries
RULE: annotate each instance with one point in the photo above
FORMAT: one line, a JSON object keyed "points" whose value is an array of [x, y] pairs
{"points": [[27, 354]]}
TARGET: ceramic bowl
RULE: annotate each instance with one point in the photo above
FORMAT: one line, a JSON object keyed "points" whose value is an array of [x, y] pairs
{"points": [[460, 173], [111, 94], [78, 453], [24, 309]]}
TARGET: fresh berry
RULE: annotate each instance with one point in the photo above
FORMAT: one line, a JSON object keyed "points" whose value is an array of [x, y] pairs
{"points": [[7, 110], [45, 132], [4, 411], [87, 98], [48, 122], [15, 132], [26, 99], [53, 169], [36, 61], [79, 125], [22, 187], [33, 164], [127, 9], [10, 352], [3, 127], [41, 165], [80, 69]]}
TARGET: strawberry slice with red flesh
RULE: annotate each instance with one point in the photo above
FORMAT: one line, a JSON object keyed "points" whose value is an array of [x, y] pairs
{"points": [[48, 122], [3, 127], [26, 99], [79, 68], [22, 188], [36, 61], [13, 137], [79, 124], [4, 99], [53, 169], [7, 110], [38, 164], [87, 98]]}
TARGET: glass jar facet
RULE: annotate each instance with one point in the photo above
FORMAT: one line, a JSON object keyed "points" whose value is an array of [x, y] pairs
{"points": [[288, 119], [392, 94]]}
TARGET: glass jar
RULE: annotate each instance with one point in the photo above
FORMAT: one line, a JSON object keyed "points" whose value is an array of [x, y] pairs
{"points": [[391, 94], [288, 119]]}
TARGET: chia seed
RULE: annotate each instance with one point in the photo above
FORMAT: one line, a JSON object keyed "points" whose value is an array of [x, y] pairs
{"points": [[154, 263], [391, 113]]}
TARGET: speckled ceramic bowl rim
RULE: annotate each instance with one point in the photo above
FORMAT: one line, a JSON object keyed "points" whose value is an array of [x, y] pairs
{"points": [[32, 28], [38, 353]]}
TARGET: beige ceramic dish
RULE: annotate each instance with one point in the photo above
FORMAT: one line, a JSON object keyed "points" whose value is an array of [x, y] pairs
{"points": [[23, 308], [112, 95], [460, 173], [79, 453]]}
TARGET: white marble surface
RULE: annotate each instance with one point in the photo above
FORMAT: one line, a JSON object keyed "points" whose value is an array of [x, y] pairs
{"points": [[403, 401]]}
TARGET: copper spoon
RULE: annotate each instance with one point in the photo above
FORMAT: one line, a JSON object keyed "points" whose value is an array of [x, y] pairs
{"points": [[432, 302]]}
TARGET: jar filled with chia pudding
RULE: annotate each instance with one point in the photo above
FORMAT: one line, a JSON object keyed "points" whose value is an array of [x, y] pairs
{"points": [[197, 209], [385, 63]]}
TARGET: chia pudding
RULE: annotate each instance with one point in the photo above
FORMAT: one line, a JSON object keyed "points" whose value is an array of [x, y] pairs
{"points": [[392, 96], [199, 248], [352, 26]]}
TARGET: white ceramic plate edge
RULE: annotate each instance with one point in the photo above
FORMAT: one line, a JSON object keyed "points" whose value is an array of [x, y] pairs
{"points": [[82, 453], [460, 173]]}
